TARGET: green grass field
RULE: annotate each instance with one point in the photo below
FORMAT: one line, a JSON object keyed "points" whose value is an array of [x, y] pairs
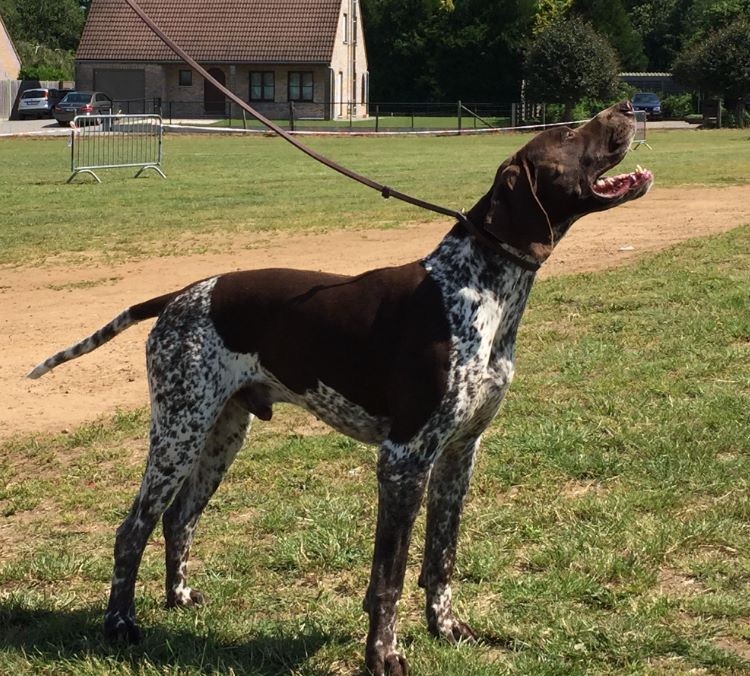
{"points": [[221, 186], [608, 525]]}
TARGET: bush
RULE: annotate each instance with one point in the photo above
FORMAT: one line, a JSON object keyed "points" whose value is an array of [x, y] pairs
{"points": [[677, 106], [588, 107], [729, 118]]}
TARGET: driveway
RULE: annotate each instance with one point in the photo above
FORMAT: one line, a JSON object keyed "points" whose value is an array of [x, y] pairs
{"points": [[44, 126]]}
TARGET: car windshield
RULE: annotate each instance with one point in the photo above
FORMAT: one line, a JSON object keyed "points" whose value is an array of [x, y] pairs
{"points": [[645, 98], [76, 98], [34, 94]]}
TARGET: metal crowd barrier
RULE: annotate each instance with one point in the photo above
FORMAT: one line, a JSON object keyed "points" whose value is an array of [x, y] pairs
{"points": [[115, 141], [640, 131]]}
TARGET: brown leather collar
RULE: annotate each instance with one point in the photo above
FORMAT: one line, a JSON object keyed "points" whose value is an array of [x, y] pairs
{"points": [[497, 246]]}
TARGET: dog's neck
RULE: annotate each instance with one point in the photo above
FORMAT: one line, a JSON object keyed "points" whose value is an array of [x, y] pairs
{"points": [[459, 263]]}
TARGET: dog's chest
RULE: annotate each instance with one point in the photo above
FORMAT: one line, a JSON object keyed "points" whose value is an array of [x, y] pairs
{"points": [[484, 303]]}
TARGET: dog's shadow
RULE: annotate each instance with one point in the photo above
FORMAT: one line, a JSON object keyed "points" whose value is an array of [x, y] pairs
{"points": [[49, 636]]}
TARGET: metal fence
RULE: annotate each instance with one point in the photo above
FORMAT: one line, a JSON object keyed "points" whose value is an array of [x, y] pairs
{"points": [[640, 131], [115, 141], [381, 117]]}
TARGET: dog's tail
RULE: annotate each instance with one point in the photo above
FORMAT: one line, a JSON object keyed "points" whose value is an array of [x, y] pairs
{"points": [[133, 315]]}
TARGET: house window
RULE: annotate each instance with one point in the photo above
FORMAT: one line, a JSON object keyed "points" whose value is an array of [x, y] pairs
{"points": [[346, 28], [262, 86], [186, 78], [300, 86]]}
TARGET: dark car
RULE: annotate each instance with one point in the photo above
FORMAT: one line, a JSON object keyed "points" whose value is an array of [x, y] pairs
{"points": [[82, 103], [649, 103]]}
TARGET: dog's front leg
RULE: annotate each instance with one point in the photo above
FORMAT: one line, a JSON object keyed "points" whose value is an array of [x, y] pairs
{"points": [[401, 482], [449, 482]]}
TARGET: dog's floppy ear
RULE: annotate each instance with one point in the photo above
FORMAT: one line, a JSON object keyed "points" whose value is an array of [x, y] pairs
{"points": [[516, 215]]}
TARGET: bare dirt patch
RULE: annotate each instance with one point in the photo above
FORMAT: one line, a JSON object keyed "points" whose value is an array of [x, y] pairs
{"points": [[47, 308]]}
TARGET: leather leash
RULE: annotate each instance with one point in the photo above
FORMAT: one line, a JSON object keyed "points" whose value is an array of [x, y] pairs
{"points": [[483, 237]]}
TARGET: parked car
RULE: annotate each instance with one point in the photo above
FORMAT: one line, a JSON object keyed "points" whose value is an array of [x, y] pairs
{"points": [[39, 102], [648, 102], [82, 103]]}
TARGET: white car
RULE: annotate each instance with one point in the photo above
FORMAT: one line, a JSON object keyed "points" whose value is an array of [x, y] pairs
{"points": [[38, 102]]}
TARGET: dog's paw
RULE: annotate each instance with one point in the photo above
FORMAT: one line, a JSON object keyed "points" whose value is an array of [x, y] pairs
{"points": [[392, 664], [185, 598], [462, 632], [454, 631], [121, 628]]}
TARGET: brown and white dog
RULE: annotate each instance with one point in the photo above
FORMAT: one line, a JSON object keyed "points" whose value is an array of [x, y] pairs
{"points": [[414, 358]]}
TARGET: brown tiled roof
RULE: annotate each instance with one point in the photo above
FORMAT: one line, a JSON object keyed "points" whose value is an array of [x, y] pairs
{"points": [[236, 31]]}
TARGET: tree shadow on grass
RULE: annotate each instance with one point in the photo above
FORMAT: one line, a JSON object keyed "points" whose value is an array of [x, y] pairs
{"points": [[51, 636]]}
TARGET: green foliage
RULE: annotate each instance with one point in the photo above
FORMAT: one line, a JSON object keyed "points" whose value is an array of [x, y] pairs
{"points": [[45, 34], [610, 18], [42, 63], [707, 16], [550, 12], [662, 27], [56, 25], [677, 106], [569, 61], [426, 50], [720, 65]]}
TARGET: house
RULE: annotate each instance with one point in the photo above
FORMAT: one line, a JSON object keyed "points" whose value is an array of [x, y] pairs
{"points": [[10, 64], [268, 52]]}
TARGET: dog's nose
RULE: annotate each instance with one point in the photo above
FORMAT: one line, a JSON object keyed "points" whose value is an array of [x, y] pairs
{"points": [[625, 107]]}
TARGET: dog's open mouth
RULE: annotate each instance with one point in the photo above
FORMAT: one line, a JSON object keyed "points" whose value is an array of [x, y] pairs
{"points": [[612, 187]]}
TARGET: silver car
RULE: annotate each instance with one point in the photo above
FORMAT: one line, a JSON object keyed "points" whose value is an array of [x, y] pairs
{"points": [[82, 103]]}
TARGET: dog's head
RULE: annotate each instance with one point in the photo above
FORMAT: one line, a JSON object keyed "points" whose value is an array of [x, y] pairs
{"points": [[558, 177]]}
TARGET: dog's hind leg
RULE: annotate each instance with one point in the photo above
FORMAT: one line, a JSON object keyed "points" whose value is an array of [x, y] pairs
{"points": [[181, 518], [163, 478], [186, 400], [449, 482]]}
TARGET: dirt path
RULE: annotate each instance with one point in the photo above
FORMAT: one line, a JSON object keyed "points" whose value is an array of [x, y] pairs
{"points": [[45, 309]]}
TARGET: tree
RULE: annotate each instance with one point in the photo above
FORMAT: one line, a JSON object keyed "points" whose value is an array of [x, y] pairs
{"points": [[46, 33], [662, 27], [610, 18], [437, 49], [720, 65], [569, 61], [550, 12]]}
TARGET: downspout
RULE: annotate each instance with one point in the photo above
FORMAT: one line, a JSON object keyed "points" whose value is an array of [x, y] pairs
{"points": [[354, 59]]}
